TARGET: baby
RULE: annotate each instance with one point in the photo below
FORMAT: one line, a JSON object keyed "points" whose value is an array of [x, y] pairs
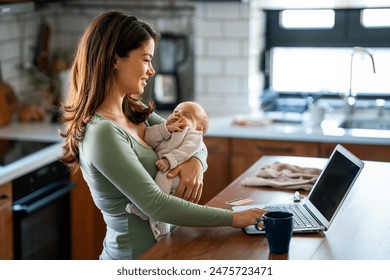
{"points": [[174, 141]]}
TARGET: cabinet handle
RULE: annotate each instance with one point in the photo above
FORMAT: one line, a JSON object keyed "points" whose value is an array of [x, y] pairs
{"points": [[275, 149], [4, 196]]}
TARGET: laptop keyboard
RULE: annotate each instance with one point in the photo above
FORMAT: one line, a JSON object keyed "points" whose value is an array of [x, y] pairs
{"points": [[301, 218]]}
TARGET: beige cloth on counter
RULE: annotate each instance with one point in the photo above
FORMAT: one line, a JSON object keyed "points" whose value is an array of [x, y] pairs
{"points": [[284, 176]]}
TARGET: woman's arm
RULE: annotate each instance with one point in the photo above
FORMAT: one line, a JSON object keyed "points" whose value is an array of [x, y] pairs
{"points": [[116, 176], [191, 180], [117, 161]]}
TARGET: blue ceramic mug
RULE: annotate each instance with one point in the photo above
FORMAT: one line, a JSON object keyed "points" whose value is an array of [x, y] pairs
{"points": [[278, 227]]}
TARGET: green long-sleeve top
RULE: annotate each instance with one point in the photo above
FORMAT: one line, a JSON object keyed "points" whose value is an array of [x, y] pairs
{"points": [[118, 170]]}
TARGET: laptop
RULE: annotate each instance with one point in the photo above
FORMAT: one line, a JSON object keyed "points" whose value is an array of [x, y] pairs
{"points": [[325, 198]]}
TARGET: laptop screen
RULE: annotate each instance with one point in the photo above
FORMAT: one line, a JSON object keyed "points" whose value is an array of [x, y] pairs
{"points": [[333, 184]]}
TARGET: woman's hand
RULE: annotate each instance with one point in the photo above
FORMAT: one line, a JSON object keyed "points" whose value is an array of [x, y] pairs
{"points": [[191, 180], [247, 217]]}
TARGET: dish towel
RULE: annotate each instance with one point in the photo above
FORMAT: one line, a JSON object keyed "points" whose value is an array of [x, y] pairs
{"points": [[284, 176]]}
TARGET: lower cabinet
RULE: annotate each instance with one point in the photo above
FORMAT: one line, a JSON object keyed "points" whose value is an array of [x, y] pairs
{"points": [[230, 157], [364, 152], [6, 222], [217, 176], [245, 152], [88, 227]]}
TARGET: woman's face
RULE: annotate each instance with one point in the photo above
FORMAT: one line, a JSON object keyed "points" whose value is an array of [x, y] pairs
{"points": [[133, 71]]}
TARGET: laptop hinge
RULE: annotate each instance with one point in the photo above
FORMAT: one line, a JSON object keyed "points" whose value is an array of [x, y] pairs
{"points": [[314, 217]]}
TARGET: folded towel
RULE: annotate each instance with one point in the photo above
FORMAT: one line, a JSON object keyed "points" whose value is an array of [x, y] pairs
{"points": [[284, 176]]}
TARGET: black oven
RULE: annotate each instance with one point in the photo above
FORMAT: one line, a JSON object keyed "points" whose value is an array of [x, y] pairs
{"points": [[41, 209], [41, 206]]}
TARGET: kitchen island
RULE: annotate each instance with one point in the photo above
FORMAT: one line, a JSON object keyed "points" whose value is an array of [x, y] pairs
{"points": [[359, 230]]}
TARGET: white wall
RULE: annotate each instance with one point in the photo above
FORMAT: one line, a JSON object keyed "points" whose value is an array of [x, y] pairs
{"points": [[227, 49]]}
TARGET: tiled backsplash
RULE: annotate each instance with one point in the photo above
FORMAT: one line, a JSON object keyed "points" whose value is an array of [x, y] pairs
{"points": [[227, 56], [17, 38], [225, 36]]}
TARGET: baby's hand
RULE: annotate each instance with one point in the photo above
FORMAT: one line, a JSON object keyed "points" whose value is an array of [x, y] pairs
{"points": [[174, 127], [177, 125], [163, 165]]}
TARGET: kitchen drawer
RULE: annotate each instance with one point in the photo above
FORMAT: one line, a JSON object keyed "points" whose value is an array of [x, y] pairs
{"points": [[246, 152], [260, 148], [364, 152]]}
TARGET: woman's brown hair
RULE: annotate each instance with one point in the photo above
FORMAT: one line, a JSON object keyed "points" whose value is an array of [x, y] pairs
{"points": [[92, 75]]}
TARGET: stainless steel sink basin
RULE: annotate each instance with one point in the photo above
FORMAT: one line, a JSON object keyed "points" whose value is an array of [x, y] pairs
{"points": [[366, 124]]}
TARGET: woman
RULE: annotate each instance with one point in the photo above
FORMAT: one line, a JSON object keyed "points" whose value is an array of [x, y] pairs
{"points": [[105, 126]]}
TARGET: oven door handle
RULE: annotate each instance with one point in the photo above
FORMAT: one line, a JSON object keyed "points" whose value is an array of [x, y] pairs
{"points": [[24, 208]]}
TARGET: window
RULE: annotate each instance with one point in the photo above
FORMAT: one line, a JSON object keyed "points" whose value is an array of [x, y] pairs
{"points": [[376, 18], [328, 70], [317, 58], [295, 19]]}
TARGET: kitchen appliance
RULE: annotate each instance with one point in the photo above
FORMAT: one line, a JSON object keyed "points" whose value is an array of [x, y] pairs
{"points": [[41, 55], [171, 55], [12, 150], [40, 204], [8, 102]]}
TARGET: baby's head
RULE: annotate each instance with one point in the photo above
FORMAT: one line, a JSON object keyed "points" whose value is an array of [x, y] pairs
{"points": [[194, 113]]}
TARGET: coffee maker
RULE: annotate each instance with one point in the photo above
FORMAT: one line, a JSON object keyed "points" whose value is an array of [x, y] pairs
{"points": [[174, 78]]}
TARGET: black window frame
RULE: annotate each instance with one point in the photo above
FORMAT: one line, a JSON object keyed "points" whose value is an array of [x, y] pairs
{"points": [[347, 32]]}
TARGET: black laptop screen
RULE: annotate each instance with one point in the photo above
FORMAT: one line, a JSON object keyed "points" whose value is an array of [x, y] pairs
{"points": [[333, 184]]}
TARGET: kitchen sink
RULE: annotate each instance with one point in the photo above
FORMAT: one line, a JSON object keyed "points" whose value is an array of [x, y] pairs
{"points": [[379, 124]]}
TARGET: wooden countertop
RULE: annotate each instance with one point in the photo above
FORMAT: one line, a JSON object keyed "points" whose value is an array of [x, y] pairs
{"points": [[360, 230]]}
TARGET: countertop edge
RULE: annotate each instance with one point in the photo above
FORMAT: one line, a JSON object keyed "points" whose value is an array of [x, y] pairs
{"points": [[30, 163]]}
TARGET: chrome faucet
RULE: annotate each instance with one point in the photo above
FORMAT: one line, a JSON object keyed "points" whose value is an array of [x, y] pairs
{"points": [[350, 97], [380, 105]]}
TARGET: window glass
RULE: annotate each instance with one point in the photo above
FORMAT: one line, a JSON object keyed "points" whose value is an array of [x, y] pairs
{"points": [[324, 70], [318, 19], [318, 60], [372, 18]]}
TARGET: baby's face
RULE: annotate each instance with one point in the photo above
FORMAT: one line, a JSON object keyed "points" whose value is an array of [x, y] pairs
{"points": [[185, 111]]}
